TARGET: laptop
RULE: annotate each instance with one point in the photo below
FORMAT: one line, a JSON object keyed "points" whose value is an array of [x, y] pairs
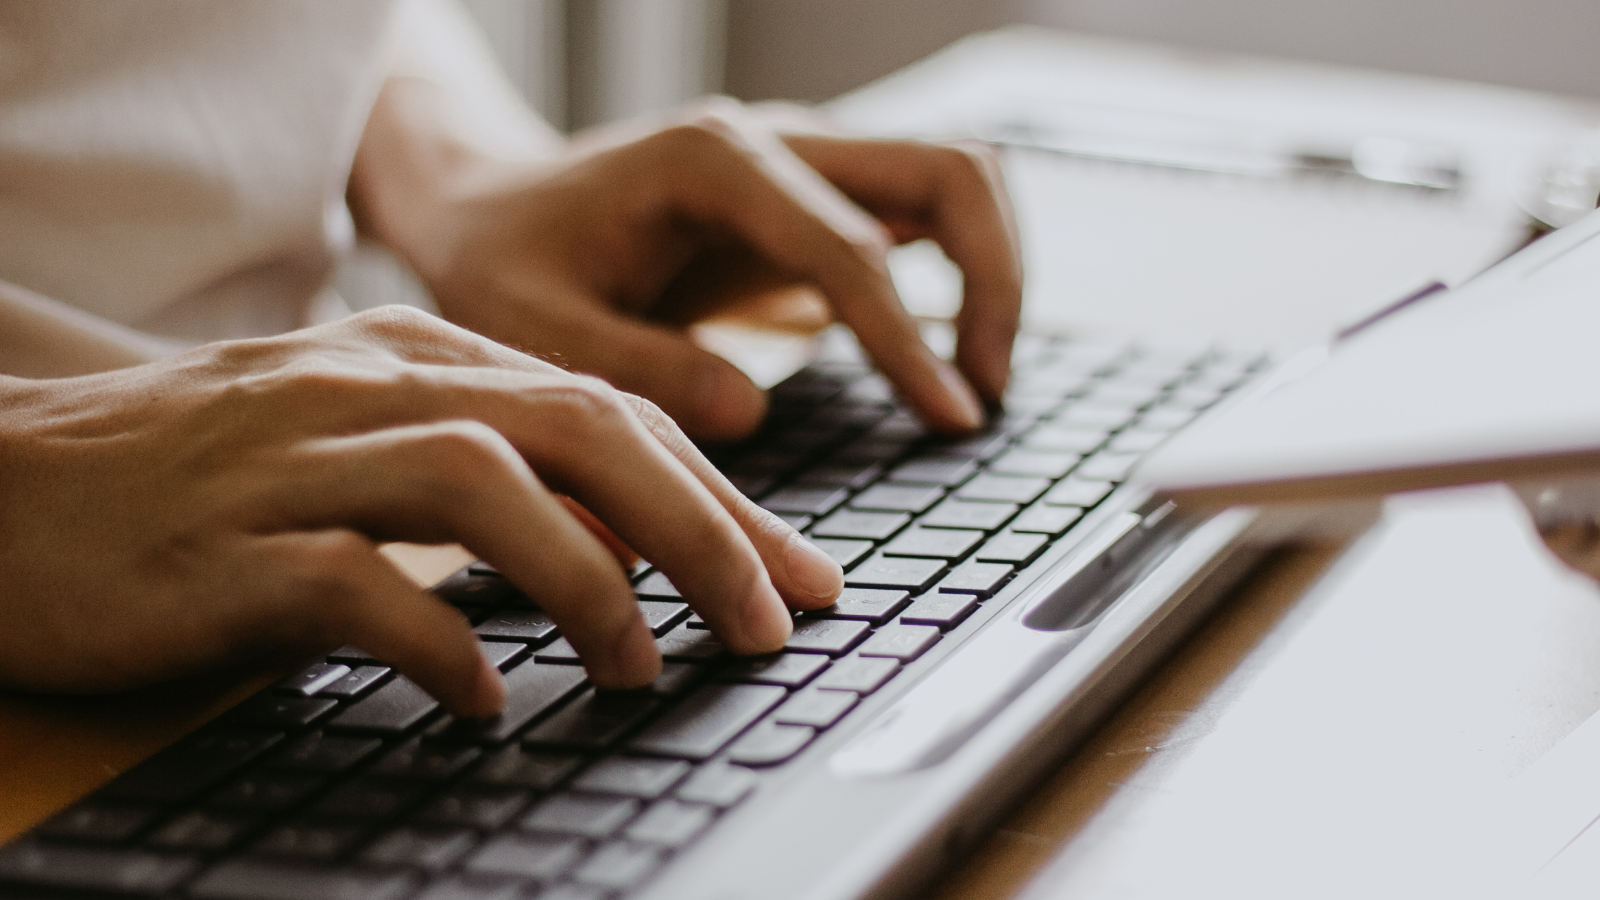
{"points": [[1005, 591]]}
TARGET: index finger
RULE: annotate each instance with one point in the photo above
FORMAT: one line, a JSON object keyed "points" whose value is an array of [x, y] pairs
{"points": [[745, 179], [955, 194]]}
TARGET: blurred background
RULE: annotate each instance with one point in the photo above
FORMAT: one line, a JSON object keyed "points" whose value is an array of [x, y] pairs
{"points": [[587, 61]]}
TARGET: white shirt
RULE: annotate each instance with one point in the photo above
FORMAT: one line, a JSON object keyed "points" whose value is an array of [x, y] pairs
{"points": [[174, 171]]}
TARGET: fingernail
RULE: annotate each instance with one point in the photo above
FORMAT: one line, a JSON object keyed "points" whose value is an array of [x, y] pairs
{"points": [[489, 693], [968, 411], [767, 623], [812, 570]]}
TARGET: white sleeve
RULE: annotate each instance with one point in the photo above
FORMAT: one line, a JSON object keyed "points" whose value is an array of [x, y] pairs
{"points": [[438, 42]]}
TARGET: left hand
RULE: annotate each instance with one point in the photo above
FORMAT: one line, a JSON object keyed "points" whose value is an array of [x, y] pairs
{"points": [[597, 259]]}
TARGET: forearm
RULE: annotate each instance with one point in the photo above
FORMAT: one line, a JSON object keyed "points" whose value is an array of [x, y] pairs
{"points": [[445, 117], [40, 338]]}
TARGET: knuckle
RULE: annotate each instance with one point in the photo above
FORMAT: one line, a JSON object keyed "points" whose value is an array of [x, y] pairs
{"points": [[329, 570], [587, 403]]}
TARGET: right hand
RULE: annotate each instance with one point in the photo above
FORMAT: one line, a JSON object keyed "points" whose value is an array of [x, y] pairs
{"points": [[163, 518]]}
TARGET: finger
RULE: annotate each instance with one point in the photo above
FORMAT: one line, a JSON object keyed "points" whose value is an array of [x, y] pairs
{"points": [[806, 577], [956, 195], [708, 394], [336, 580], [748, 182], [586, 443], [604, 535], [461, 481]]}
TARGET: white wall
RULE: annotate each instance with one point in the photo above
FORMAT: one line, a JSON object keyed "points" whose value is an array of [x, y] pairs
{"points": [[814, 49]]}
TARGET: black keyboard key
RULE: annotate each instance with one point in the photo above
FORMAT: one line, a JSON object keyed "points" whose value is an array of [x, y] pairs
{"points": [[478, 590], [786, 669], [502, 654], [875, 605], [685, 644], [670, 823], [717, 785], [675, 678], [830, 636], [473, 887], [426, 848], [904, 573], [662, 615], [902, 642], [796, 521], [967, 514], [516, 767], [190, 766], [940, 610], [367, 800], [559, 652], [768, 744], [324, 753], [1076, 492], [358, 682], [619, 866], [1041, 463], [850, 523], [352, 654], [283, 713], [318, 841], [978, 446], [264, 792], [532, 856], [940, 470], [808, 501], [531, 691], [594, 721], [250, 879], [853, 475], [203, 831], [529, 626], [845, 553], [910, 498], [861, 674], [934, 543], [1042, 518], [818, 709], [979, 578], [136, 872], [583, 815], [752, 486], [485, 807], [1014, 547], [313, 679], [632, 776], [706, 720], [96, 822], [391, 709], [656, 586], [1003, 488]]}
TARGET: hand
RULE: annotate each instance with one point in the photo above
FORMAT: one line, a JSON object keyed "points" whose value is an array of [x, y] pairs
{"points": [[162, 518], [598, 259]]}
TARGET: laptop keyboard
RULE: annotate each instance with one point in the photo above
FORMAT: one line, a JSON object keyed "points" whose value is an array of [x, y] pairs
{"points": [[347, 781]]}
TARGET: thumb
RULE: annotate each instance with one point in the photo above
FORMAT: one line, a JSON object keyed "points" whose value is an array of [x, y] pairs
{"points": [[707, 395]]}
